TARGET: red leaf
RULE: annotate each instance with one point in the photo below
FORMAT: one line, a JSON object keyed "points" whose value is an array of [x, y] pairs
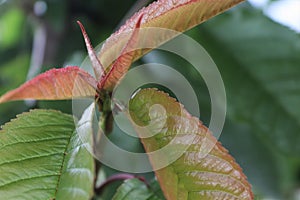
{"points": [[178, 15], [96, 64], [55, 84], [123, 62]]}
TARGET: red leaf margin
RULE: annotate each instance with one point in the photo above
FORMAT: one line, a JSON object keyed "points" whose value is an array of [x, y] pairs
{"points": [[55, 84], [159, 14]]}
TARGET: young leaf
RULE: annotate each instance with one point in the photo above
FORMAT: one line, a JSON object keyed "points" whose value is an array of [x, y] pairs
{"points": [[193, 175], [64, 83], [178, 15], [96, 64], [123, 62], [168, 14], [135, 189], [43, 158]]}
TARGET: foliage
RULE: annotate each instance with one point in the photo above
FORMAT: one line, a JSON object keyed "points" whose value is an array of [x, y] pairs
{"points": [[42, 157], [261, 78]]}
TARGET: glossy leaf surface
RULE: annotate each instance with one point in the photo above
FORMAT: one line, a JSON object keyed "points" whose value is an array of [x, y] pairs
{"points": [[123, 62], [168, 14], [192, 175], [64, 83], [177, 15], [43, 158]]}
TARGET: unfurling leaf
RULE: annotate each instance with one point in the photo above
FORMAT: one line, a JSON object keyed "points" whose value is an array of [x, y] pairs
{"points": [[174, 132], [64, 83], [42, 157]]}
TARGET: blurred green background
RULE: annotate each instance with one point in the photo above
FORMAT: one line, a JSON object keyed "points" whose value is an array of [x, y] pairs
{"points": [[259, 61]]}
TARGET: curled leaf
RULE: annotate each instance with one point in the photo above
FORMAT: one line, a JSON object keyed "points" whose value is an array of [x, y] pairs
{"points": [[191, 175], [64, 83]]}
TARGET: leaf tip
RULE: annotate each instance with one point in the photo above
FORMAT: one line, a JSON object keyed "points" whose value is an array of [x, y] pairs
{"points": [[9, 96], [96, 64]]}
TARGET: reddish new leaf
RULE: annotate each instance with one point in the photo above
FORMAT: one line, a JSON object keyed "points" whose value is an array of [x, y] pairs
{"points": [[97, 66], [178, 15], [64, 83], [193, 173], [123, 62]]}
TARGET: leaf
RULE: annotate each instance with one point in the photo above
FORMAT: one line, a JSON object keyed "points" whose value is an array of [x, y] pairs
{"points": [[136, 189], [64, 83], [193, 175], [97, 66], [258, 164], [43, 158], [123, 62], [260, 68], [166, 14], [13, 21], [49, 86], [9, 79]]}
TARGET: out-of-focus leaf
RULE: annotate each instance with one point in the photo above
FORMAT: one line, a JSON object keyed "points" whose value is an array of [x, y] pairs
{"points": [[193, 175], [9, 79], [164, 14], [11, 24], [42, 157], [260, 67], [55, 84], [135, 189], [240, 140]]}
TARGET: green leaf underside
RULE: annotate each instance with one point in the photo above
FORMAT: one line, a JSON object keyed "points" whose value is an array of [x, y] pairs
{"points": [[177, 15], [55, 84], [217, 175], [263, 88], [135, 189], [42, 158]]}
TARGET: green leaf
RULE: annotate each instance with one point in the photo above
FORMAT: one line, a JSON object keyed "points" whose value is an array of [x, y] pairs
{"points": [[11, 26], [43, 158], [260, 68], [256, 159], [136, 189], [9, 79], [195, 173]]}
